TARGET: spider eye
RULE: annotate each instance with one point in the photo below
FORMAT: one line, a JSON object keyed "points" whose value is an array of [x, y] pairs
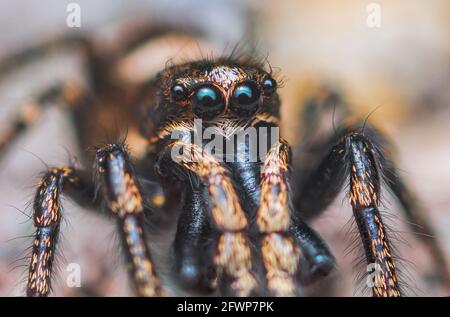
{"points": [[207, 102], [178, 92], [269, 86], [245, 98]]}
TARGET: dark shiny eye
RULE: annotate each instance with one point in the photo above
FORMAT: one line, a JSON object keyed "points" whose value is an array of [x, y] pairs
{"points": [[269, 86], [178, 92], [245, 98], [207, 102]]}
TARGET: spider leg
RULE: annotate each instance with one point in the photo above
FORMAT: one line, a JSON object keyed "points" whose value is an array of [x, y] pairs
{"points": [[32, 53], [321, 186], [279, 253], [96, 62], [68, 94], [47, 217], [286, 238], [356, 155], [123, 197], [233, 252], [364, 197], [319, 178]]}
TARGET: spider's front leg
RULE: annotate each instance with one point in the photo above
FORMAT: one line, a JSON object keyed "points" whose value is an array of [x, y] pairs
{"points": [[233, 256], [358, 156], [286, 239], [279, 253], [123, 198]]}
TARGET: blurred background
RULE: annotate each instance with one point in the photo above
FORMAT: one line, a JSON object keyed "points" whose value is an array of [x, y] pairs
{"points": [[403, 65]]}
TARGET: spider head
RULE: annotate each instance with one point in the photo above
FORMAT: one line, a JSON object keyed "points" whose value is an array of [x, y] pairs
{"points": [[216, 91]]}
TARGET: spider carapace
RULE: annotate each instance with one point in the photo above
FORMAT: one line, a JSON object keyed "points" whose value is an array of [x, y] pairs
{"points": [[242, 226]]}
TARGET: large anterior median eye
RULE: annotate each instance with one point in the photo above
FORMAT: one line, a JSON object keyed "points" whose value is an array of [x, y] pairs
{"points": [[207, 102], [245, 98]]}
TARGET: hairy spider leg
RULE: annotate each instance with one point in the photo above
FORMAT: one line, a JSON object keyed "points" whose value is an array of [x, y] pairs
{"points": [[280, 255], [69, 95], [314, 196], [99, 66], [47, 218], [312, 203], [233, 257], [315, 258], [122, 194], [123, 199], [355, 155], [131, 34], [364, 197], [26, 56]]}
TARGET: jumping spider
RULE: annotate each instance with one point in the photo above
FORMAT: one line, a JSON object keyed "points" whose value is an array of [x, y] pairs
{"points": [[241, 230]]}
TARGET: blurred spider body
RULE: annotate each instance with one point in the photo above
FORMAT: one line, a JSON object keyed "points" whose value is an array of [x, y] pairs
{"points": [[241, 229]]}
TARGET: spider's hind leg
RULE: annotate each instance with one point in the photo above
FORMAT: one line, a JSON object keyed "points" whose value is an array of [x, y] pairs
{"points": [[69, 95], [30, 54]]}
